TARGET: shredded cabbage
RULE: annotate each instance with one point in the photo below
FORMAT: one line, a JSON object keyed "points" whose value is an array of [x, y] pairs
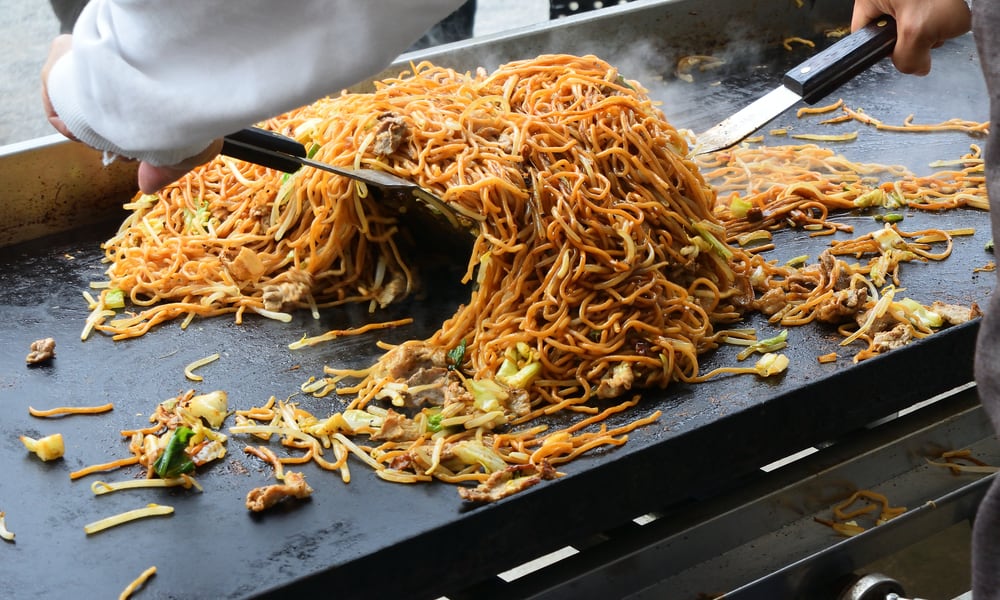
{"points": [[213, 407], [487, 394], [472, 452]]}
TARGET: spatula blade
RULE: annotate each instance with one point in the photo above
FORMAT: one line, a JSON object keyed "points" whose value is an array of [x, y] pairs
{"points": [[752, 117]]}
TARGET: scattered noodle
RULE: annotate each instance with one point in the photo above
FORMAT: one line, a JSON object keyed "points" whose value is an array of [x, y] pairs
{"points": [[201, 362], [150, 510], [336, 333], [137, 583], [71, 410], [783, 186], [865, 503], [100, 488], [822, 137], [818, 110], [108, 466], [955, 461], [790, 41], [970, 127]]}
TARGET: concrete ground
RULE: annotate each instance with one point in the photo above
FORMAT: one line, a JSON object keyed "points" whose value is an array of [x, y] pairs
{"points": [[28, 26]]}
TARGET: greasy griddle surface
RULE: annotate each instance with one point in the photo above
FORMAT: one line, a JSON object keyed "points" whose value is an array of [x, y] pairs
{"points": [[371, 538]]}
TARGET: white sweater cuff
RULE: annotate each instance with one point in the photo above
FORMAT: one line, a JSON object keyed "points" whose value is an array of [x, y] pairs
{"points": [[60, 86]]}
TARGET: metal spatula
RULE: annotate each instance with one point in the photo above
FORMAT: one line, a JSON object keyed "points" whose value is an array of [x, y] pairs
{"points": [[811, 81], [269, 149]]}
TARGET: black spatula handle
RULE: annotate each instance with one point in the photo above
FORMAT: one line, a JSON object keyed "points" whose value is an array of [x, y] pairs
{"points": [[826, 71], [259, 146]]}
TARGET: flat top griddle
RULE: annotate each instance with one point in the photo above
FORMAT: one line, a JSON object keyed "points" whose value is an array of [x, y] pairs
{"points": [[370, 538]]}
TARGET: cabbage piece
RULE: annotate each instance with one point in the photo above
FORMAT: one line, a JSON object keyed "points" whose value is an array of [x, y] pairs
{"points": [[874, 197], [472, 452], [47, 448], [487, 394], [711, 233], [771, 364], [212, 450], [888, 238], [770, 344], [213, 407], [740, 207], [114, 298], [359, 419], [922, 314], [520, 367]]}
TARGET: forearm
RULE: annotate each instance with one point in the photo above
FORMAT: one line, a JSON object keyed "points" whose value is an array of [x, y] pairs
{"points": [[157, 81]]}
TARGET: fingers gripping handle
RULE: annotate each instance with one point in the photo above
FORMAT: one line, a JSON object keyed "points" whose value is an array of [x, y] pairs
{"points": [[828, 70]]}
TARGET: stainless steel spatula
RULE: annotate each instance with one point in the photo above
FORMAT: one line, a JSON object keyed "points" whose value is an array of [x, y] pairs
{"points": [[269, 149], [810, 82]]}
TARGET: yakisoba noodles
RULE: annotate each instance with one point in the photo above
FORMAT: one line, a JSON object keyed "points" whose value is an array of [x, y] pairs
{"points": [[600, 264], [761, 189], [595, 229], [775, 187]]}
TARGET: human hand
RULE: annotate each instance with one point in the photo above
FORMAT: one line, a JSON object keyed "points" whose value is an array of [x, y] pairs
{"points": [[152, 178], [60, 46], [920, 26]]}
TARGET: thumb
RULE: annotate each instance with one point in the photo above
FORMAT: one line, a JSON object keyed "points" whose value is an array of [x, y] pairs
{"points": [[153, 178]]}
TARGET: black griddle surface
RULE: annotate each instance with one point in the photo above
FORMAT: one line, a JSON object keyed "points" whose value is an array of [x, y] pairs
{"points": [[370, 538]]}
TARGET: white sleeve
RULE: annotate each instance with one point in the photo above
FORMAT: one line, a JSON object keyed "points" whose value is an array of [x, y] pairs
{"points": [[158, 81]]}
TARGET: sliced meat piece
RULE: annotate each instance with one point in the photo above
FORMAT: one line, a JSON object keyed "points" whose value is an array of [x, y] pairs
{"points": [[829, 271], [842, 306], [287, 289], [393, 290], [397, 428], [771, 302], [41, 351], [519, 402], [617, 383], [954, 314], [833, 267], [897, 337], [247, 265], [263, 498], [510, 481], [390, 132], [456, 392], [884, 323], [426, 376], [404, 360], [805, 279], [426, 386]]}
